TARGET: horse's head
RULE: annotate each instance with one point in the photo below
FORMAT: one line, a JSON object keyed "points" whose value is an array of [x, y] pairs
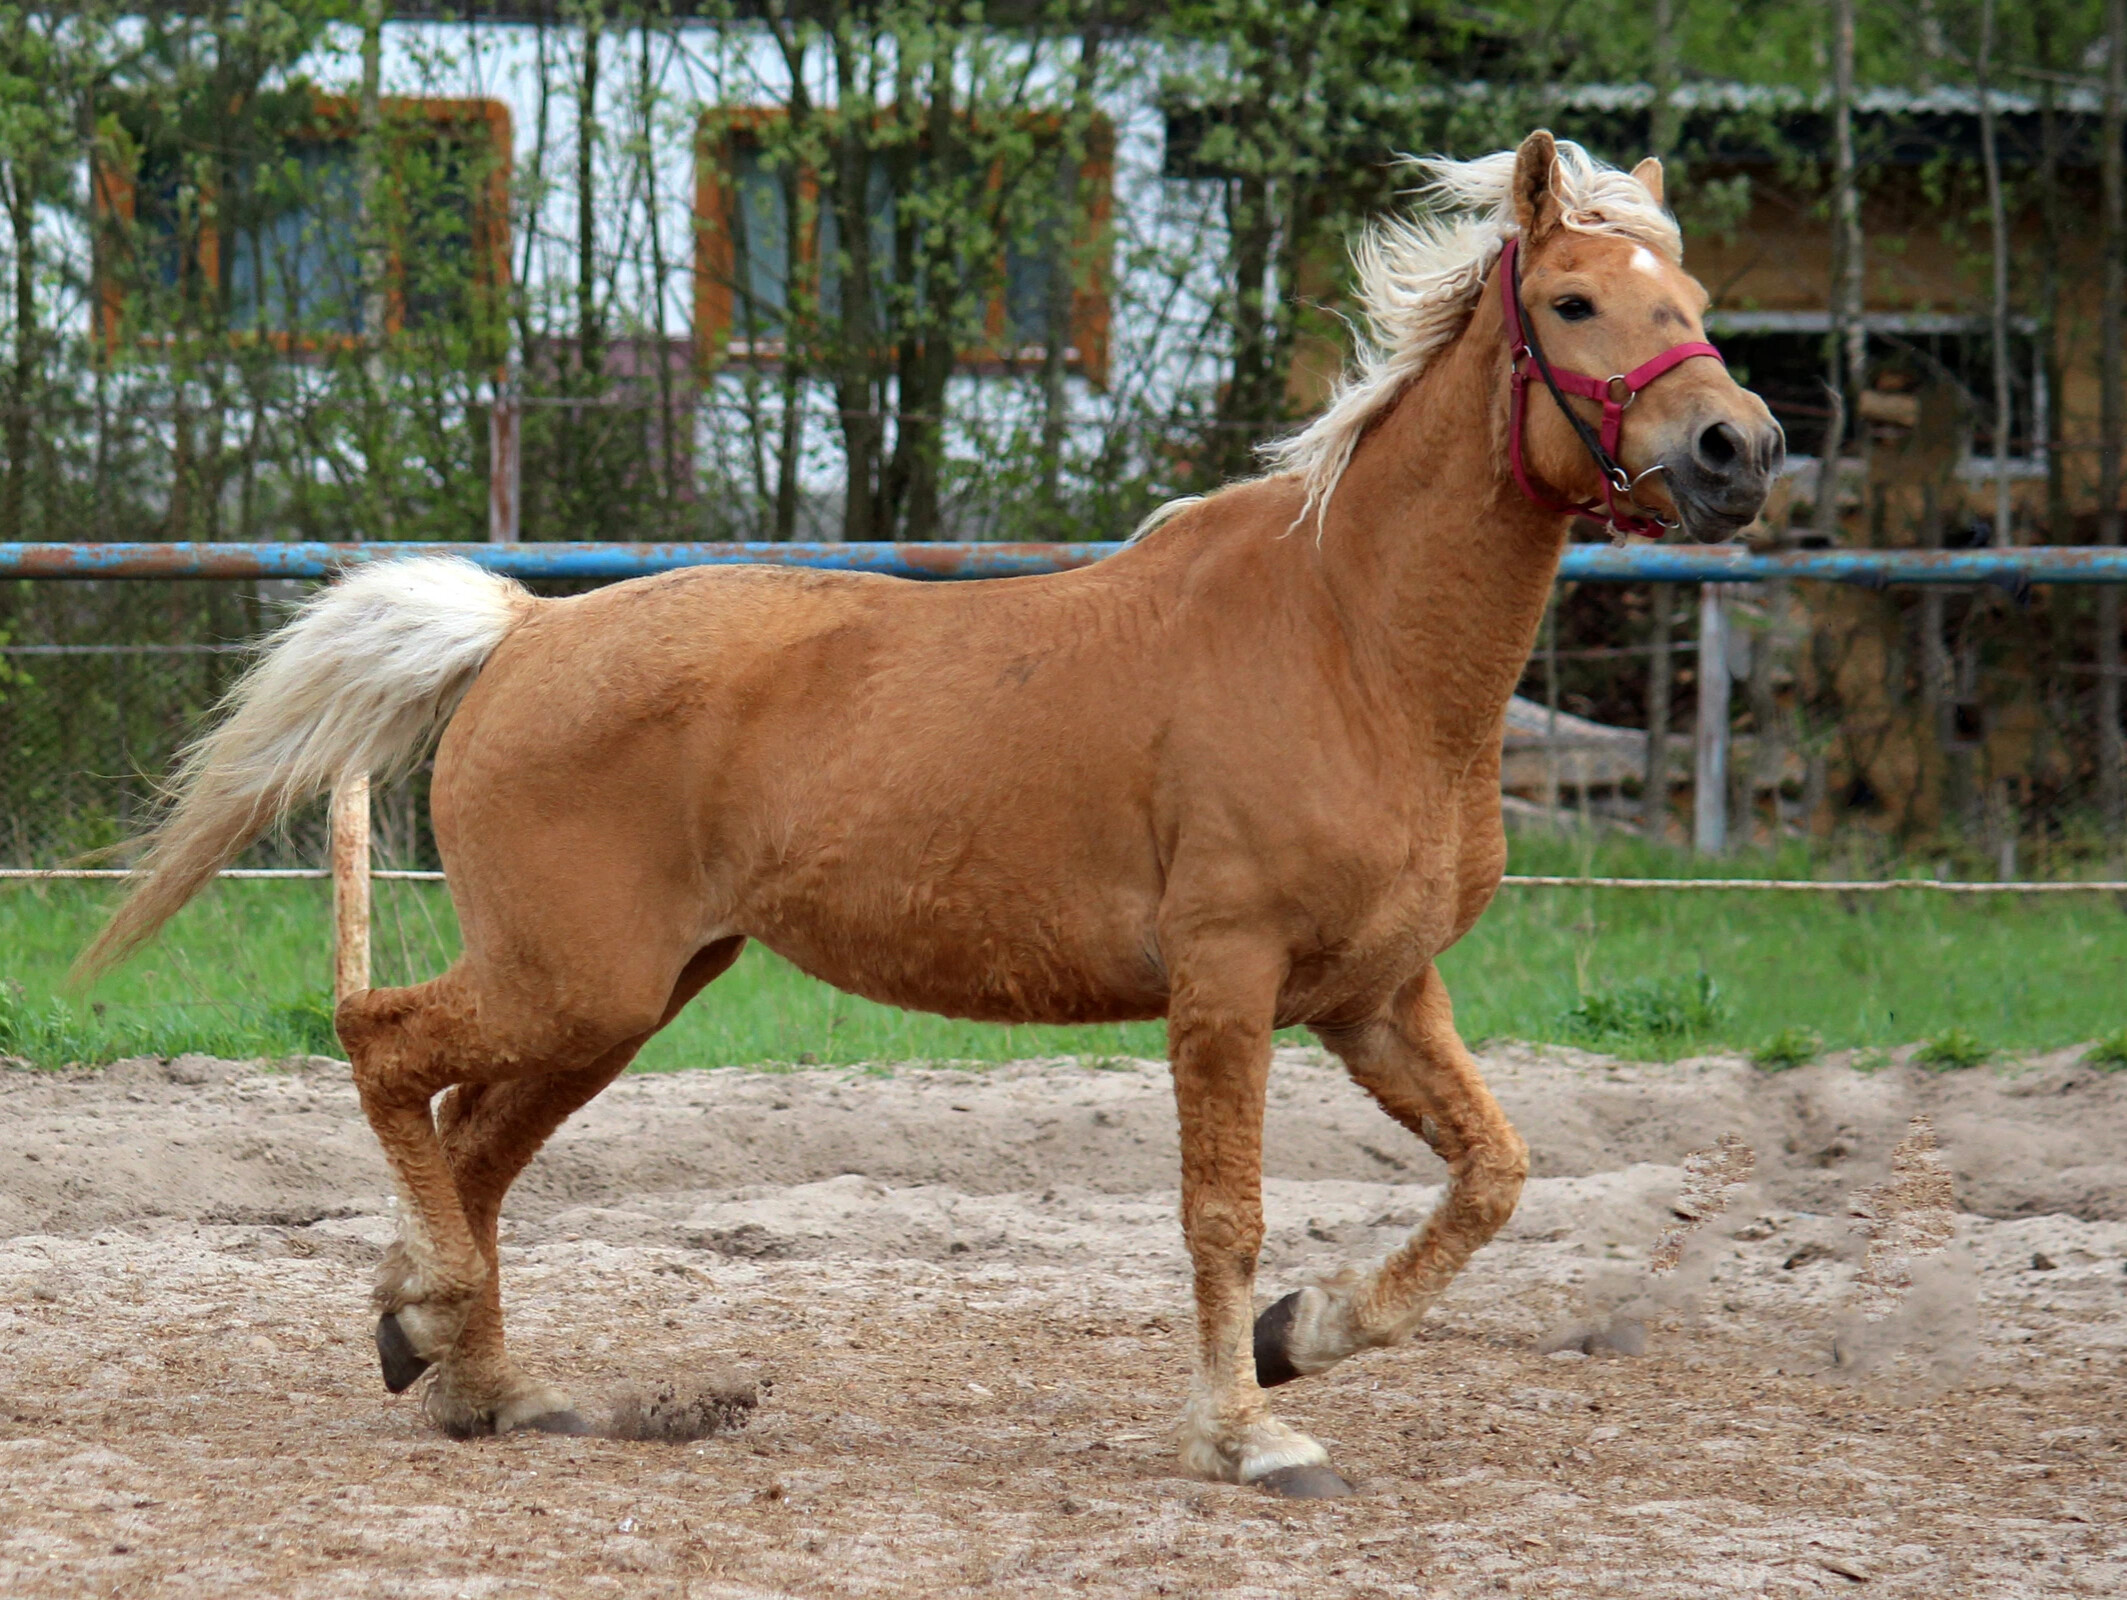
{"points": [[1690, 444]]}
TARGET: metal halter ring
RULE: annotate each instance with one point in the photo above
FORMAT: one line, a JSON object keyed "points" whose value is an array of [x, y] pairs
{"points": [[1631, 491]]}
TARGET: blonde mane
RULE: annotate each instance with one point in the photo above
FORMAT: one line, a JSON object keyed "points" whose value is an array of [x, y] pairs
{"points": [[1419, 278]]}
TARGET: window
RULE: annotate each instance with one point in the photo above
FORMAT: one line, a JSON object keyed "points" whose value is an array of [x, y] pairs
{"points": [[270, 245], [1930, 382], [294, 245], [743, 251]]}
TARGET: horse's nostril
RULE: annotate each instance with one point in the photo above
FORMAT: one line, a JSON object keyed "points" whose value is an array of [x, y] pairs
{"points": [[1718, 448]]}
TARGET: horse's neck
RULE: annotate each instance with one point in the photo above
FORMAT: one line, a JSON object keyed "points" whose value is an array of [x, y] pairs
{"points": [[1441, 566]]}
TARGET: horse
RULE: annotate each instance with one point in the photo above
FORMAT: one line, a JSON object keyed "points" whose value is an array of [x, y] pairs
{"points": [[1242, 774]]}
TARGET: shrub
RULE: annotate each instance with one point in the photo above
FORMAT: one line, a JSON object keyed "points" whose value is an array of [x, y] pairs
{"points": [[308, 1024], [1647, 1008], [1790, 1047], [1953, 1051], [47, 1035], [2109, 1054]]}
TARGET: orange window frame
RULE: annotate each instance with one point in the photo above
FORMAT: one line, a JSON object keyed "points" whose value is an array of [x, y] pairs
{"points": [[716, 265], [113, 199]]}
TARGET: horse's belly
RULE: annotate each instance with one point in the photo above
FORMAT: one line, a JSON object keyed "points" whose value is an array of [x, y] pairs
{"points": [[992, 946], [993, 974]]}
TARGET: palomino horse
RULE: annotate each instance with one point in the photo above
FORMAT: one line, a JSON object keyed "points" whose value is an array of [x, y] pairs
{"points": [[1242, 774]]}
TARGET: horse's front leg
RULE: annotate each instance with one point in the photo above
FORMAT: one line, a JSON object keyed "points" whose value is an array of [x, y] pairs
{"points": [[1414, 1063], [1219, 1029]]}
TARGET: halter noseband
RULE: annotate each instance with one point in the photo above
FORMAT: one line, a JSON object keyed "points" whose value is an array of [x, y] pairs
{"points": [[1616, 393]]}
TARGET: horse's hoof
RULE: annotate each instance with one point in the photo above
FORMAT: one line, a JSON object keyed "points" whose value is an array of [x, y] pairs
{"points": [[1273, 1342], [402, 1363], [1305, 1483], [568, 1422]]}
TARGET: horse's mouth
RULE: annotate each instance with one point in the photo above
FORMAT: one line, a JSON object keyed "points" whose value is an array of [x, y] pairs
{"points": [[1706, 523], [1714, 530]]}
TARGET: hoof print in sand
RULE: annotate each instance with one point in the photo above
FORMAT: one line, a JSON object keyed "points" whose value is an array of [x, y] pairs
{"points": [[1306, 1483], [669, 1414], [1621, 1335]]}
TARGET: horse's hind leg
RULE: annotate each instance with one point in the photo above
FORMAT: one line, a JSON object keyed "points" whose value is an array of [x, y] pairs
{"points": [[408, 1045], [1414, 1063], [490, 1132]]}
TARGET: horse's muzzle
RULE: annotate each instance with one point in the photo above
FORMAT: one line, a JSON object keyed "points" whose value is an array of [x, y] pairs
{"points": [[1719, 481]]}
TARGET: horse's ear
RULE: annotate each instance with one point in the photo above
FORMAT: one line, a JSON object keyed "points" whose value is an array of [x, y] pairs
{"points": [[1649, 172], [1535, 206]]}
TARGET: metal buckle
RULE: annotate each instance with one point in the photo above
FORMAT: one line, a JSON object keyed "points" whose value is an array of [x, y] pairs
{"points": [[1631, 394]]}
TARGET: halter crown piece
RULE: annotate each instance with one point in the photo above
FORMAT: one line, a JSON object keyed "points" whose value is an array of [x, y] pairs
{"points": [[1616, 394]]}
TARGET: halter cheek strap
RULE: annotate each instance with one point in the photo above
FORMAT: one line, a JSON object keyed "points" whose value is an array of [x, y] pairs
{"points": [[1615, 394]]}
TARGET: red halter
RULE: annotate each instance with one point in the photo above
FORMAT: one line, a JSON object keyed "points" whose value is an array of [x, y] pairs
{"points": [[1616, 393]]}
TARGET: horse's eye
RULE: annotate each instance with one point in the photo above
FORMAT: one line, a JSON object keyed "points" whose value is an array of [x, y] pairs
{"points": [[1574, 309]]}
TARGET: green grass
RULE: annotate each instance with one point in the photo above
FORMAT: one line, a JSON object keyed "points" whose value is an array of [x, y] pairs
{"points": [[1651, 975], [1646, 1009], [2109, 1054], [1790, 1047], [1953, 1050]]}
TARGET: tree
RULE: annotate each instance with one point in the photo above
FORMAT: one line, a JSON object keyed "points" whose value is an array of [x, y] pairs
{"points": [[927, 164], [2112, 424], [1293, 100], [47, 65]]}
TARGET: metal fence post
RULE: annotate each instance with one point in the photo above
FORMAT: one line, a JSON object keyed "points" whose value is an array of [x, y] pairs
{"points": [[1709, 800], [350, 886]]}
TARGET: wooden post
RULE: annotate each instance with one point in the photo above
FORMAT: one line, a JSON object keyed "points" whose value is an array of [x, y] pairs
{"points": [[350, 886], [1551, 713], [502, 468], [1710, 787], [1661, 674]]}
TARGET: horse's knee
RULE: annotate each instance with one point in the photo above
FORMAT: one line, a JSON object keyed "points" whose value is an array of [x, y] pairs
{"points": [[1217, 1226]]}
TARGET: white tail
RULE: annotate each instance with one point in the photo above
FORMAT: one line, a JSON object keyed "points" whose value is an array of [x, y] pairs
{"points": [[362, 679]]}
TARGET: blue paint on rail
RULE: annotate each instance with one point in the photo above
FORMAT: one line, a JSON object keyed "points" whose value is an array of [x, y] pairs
{"points": [[1583, 563], [178, 560]]}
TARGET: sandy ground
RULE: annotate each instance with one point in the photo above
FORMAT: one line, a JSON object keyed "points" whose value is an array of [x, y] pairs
{"points": [[961, 1298]]}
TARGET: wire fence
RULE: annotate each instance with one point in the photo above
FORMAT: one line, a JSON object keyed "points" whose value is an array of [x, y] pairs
{"points": [[1915, 734], [1955, 728]]}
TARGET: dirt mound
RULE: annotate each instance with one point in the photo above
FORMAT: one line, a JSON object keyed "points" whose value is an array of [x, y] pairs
{"points": [[215, 1142]]}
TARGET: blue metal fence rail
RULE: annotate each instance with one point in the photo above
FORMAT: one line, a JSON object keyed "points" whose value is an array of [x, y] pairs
{"points": [[2012, 569]]}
